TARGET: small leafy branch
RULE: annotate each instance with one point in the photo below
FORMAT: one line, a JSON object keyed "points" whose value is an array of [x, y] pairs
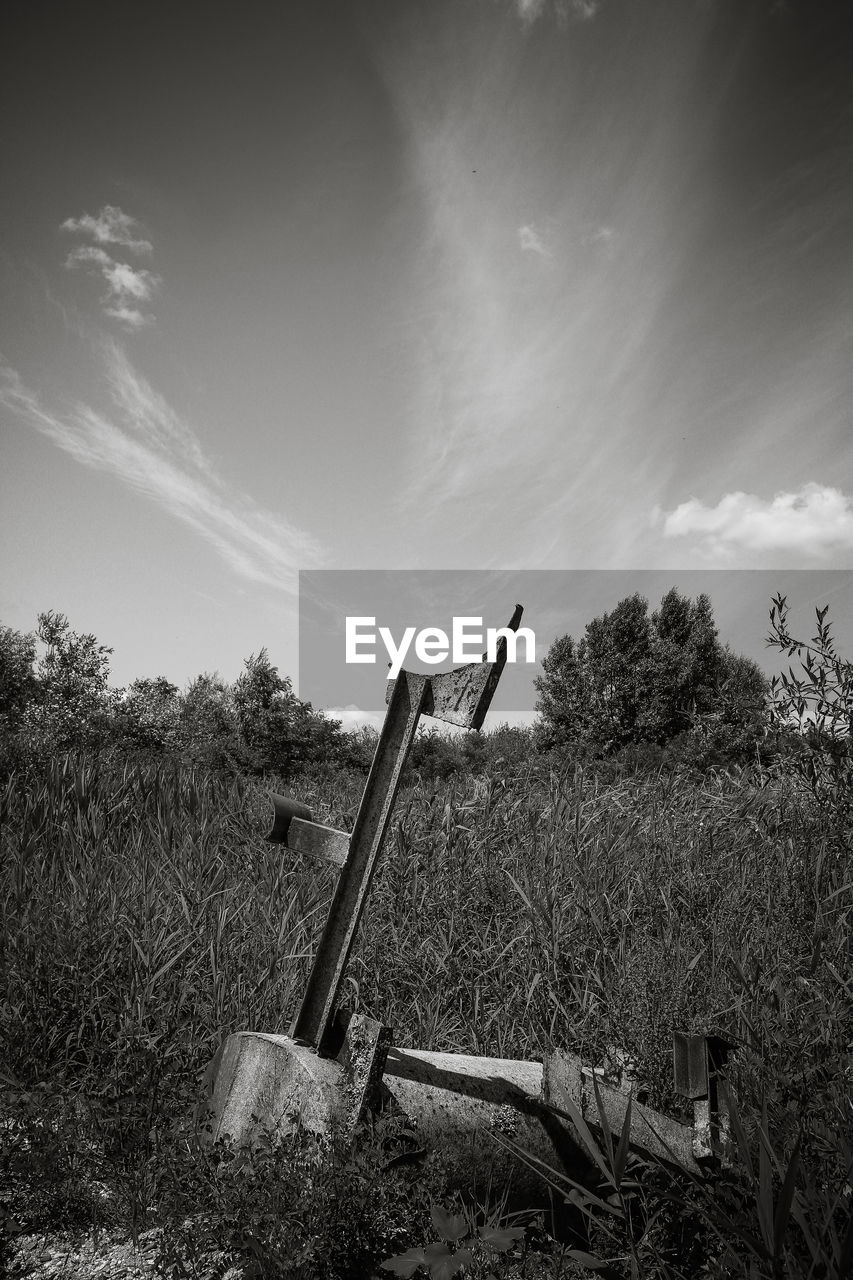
{"points": [[446, 1257], [817, 701]]}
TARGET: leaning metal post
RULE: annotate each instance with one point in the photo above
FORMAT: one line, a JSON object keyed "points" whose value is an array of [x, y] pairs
{"points": [[313, 1022], [460, 697]]}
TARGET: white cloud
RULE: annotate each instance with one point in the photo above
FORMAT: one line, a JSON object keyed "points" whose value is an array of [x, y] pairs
{"points": [[524, 381], [130, 317], [583, 10], [149, 414], [111, 226], [531, 241], [353, 718], [127, 286], [529, 10], [88, 253], [148, 447], [128, 282], [814, 521], [601, 235]]}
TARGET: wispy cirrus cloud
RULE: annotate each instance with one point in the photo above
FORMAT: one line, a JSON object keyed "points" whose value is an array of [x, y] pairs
{"points": [[129, 288], [585, 10], [522, 379], [110, 226], [531, 240], [602, 235], [150, 449], [582, 10], [815, 521], [529, 10]]}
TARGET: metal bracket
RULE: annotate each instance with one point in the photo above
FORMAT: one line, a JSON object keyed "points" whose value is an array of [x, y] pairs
{"points": [[698, 1062]]}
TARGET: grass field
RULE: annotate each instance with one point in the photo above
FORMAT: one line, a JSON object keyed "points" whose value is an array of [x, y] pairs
{"points": [[145, 918]]}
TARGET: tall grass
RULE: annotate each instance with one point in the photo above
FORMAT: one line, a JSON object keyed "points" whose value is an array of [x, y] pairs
{"points": [[145, 918]]}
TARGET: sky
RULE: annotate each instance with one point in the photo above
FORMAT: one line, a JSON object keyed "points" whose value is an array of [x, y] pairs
{"points": [[415, 284]]}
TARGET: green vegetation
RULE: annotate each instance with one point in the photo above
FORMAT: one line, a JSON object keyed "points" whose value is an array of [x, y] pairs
{"points": [[55, 697], [660, 679], [554, 902]]}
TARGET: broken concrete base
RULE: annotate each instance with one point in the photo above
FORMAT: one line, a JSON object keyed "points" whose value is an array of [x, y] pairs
{"points": [[266, 1082], [458, 1104], [463, 1105], [260, 1082]]}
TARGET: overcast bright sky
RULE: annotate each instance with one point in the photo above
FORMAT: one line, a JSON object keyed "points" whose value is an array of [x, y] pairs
{"points": [[414, 283]]}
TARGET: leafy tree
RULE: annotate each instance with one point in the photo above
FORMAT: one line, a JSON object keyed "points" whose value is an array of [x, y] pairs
{"points": [[55, 697], [565, 715], [74, 702], [616, 658], [278, 731], [18, 684], [637, 678], [684, 669], [263, 701], [207, 732], [437, 755], [18, 691], [149, 715]]}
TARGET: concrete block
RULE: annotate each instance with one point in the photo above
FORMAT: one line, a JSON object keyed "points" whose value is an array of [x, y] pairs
{"points": [[261, 1081], [566, 1078], [460, 1105], [268, 1082]]}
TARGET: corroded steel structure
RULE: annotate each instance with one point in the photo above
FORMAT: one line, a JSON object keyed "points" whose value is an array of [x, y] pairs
{"points": [[333, 1066]]}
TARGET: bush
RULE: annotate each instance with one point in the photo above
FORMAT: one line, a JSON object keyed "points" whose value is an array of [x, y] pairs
{"points": [[636, 678], [293, 1207], [812, 712]]}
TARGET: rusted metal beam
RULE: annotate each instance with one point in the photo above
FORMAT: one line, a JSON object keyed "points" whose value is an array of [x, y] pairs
{"points": [[284, 810], [317, 841], [462, 697], [567, 1081], [362, 1057], [313, 1022]]}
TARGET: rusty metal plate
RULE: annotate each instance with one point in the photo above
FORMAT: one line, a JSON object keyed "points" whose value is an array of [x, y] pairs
{"points": [[690, 1065], [463, 696]]}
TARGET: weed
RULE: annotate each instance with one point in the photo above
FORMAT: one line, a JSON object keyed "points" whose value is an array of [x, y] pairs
{"points": [[145, 917]]}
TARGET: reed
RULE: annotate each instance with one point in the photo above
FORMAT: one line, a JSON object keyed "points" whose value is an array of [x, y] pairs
{"points": [[145, 918]]}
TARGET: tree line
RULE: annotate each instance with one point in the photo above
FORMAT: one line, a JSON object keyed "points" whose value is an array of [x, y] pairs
{"points": [[55, 697], [650, 687]]}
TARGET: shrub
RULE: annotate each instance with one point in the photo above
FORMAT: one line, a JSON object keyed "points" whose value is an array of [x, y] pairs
{"points": [[294, 1206], [816, 703]]}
